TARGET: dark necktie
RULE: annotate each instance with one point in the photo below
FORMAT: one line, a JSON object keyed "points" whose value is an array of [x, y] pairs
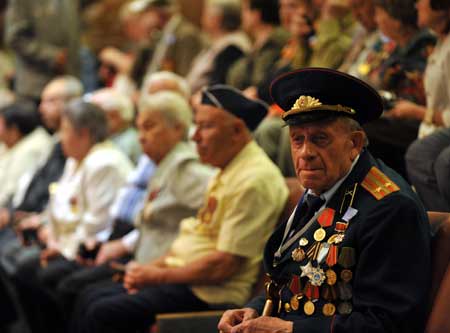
{"points": [[308, 207]]}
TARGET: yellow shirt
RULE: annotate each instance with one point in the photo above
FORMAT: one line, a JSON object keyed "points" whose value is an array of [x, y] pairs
{"points": [[241, 208]]}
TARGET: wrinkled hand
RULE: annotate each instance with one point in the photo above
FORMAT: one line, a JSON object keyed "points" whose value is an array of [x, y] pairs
{"points": [[406, 110], [110, 250], [232, 318], [138, 276], [264, 325]]}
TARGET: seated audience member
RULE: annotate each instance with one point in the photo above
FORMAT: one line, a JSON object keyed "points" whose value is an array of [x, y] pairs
{"points": [[26, 145], [33, 191], [165, 80], [176, 191], [428, 162], [32, 196], [210, 262], [364, 55], [221, 22], [174, 42], [119, 112], [260, 21], [343, 262], [401, 73], [78, 208]]}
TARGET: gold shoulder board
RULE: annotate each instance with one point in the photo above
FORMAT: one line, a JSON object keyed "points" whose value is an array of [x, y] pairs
{"points": [[378, 184]]}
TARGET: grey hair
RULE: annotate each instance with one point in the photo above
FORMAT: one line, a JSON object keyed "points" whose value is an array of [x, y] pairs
{"points": [[110, 99], [230, 11], [72, 87], [83, 115], [180, 84], [174, 108], [353, 126]]}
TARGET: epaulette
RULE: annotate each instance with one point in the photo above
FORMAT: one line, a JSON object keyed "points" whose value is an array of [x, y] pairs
{"points": [[378, 184]]}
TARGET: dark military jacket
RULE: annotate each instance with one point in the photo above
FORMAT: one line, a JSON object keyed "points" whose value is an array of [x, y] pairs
{"points": [[382, 271]]}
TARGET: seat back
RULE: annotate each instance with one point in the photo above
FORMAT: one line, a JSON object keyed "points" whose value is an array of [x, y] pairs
{"points": [[439, 319]]}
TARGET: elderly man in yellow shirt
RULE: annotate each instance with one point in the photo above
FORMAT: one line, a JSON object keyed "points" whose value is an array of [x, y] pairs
{"points": [[216, 257]]}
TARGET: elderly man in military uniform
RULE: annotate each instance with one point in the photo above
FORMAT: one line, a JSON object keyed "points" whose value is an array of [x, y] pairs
{"points": [[355, 254], [216, 257]]}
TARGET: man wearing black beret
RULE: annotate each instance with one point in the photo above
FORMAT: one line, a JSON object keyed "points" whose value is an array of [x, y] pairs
{"points": [[216, 257], [355, 254]]}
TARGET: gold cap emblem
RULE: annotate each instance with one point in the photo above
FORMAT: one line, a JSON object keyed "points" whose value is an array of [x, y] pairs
{"points": [[305, 102]]}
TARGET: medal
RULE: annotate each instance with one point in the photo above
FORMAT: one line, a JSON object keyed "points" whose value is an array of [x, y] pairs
{"points": [[317, 276], [347, 257], [323, 252], [331, 277], [287, 307], [295, 304], [328, 309], [326, 218], [303, 241], [332, 257], [345, 308], [319, 234], [329, 293], [313, 251], [345, 291], [298, 254], [346, 275], [309, 308]]}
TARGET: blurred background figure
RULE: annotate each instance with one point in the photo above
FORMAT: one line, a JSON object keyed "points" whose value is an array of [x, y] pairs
{"points": [[32, 193], [428, 159], [119, 110], [79, 205], [26, 145], [221, 21], [44, 37], [401, 74]]}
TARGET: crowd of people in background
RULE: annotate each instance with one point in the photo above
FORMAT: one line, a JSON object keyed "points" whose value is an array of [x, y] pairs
{"points": [[111, 157]]}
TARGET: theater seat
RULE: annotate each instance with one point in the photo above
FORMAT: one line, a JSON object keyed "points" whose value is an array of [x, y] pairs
{"points": [[439, 319], [206, 321]]}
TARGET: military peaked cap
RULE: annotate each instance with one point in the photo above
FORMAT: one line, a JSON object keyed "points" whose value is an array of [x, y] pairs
{"points": [[314, 94]]}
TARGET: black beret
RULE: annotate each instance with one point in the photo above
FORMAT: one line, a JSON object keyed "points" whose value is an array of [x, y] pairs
{"points": [[313, 94], [233, 101]]}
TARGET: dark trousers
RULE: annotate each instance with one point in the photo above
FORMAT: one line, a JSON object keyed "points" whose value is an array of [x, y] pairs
{"points": [[108, 308], [35, 287]]}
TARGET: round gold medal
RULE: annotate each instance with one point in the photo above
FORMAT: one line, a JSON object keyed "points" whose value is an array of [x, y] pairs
{"points": [[295, 303], [309, 308], [331, 277], [328, 309], [320, 234], [346, 275], [287, 307]]}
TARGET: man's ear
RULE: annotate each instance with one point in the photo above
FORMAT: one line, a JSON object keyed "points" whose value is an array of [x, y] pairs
{"points": [[357, 139]]}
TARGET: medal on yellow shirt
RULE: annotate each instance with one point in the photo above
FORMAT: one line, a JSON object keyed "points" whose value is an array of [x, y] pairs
{"points": [[328, 309], [309, 308]]}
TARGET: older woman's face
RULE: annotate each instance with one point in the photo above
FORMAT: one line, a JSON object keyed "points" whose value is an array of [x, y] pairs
{"points": [[156, 135], [73, 142]]}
